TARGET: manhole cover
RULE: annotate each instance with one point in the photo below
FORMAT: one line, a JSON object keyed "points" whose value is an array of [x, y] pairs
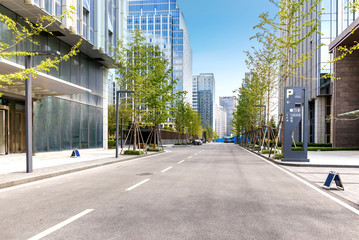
{"points": [[144, 174]]}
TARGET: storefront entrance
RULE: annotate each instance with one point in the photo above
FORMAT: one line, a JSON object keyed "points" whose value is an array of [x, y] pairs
{"points": [[17, 131], [4, 130], [12, 127]]}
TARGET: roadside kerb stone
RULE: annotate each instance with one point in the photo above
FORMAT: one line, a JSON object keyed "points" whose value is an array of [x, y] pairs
{"points": [[14, 179], [299, 164]]}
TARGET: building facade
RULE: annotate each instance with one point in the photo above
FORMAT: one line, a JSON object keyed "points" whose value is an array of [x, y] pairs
{"points": [[345, 110], [221, 121], [163, 24], [69, 104], [228, 104], [204, 96], [336, 17], [248, 76]]}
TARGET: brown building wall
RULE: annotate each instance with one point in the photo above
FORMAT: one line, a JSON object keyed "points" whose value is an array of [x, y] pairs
{"points": [[171, 135], [346, 99]]}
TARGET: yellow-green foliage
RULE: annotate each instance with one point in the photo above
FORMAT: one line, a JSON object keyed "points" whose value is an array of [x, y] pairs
{"points": [[25, 32]]}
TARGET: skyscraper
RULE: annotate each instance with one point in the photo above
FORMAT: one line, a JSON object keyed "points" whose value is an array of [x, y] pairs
{"points": [[228, 103], [203, 97], [163, 24], [221, 121]]}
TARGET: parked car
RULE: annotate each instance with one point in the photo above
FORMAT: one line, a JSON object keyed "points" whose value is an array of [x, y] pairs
{"points": [[197, 142]]}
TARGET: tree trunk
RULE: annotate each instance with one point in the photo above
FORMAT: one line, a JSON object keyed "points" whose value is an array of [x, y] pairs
{"points": [[135, 126]]}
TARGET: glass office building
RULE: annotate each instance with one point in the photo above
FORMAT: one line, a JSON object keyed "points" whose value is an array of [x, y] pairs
{"points": [[335, 18], [69, 104], [204, 96], [228, 104], [221, 121], [163, 24]]}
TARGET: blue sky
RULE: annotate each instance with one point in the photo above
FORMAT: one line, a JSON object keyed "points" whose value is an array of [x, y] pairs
{"points": [[219, 33]]}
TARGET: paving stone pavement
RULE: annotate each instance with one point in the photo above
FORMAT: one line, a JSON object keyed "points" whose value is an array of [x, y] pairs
{"points": [[317, 176]]}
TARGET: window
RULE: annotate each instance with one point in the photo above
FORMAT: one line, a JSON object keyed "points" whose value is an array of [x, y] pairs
{"points": [[92, 21], [178, 34], [58, 7], [85, 24], [179, 61], [178, 48], [177, 74], [78, 16], [48, 6], [178, 54], [178, 68], [178, 41]]}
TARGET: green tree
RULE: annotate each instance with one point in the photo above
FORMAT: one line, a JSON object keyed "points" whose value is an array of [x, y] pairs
{"points": [[295, 24], [132, 65], [194, 124], [159, 96], [25, 31], [143, 69], [208, 129], [124, 114], [263, 63], [187, 120]]}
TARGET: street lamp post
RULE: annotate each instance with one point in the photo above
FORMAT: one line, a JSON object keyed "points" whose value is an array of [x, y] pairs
{"points": [[117, 103], [28, 107]]}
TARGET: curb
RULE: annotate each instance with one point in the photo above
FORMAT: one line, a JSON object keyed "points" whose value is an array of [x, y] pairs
{"points": [[59, 173], [297, 164]]}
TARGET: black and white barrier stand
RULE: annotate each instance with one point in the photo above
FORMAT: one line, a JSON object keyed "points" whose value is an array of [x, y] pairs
{"points": [[333, 176], [75, 153]]}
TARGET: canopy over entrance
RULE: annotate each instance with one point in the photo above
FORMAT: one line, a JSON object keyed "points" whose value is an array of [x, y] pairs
{"points": [[43, 85]]}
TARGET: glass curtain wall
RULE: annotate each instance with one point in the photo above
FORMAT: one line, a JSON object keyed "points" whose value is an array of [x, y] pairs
{"points": [[65, 122], [160, 22]]}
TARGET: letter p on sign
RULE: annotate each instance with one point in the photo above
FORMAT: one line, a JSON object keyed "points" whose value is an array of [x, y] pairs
{"points": [[289, 92]]}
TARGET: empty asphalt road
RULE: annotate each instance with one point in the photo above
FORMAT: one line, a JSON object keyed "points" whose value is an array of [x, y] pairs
{"points": [[213, 191]]}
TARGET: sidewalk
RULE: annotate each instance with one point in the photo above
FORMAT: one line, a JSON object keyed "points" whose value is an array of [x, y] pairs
{"points": [[51, 164], [343, 159], [346, 163]]}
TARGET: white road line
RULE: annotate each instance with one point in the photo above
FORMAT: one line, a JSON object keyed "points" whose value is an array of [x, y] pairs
{"points": [[190, 157], [347, 206], [60, 225], [180, 162], [165, 170], [138, 184], [196, 154]]}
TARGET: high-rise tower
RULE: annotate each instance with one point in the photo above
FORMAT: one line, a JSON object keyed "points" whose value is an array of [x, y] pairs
{"points": [[203, 97], [163, 24]]}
